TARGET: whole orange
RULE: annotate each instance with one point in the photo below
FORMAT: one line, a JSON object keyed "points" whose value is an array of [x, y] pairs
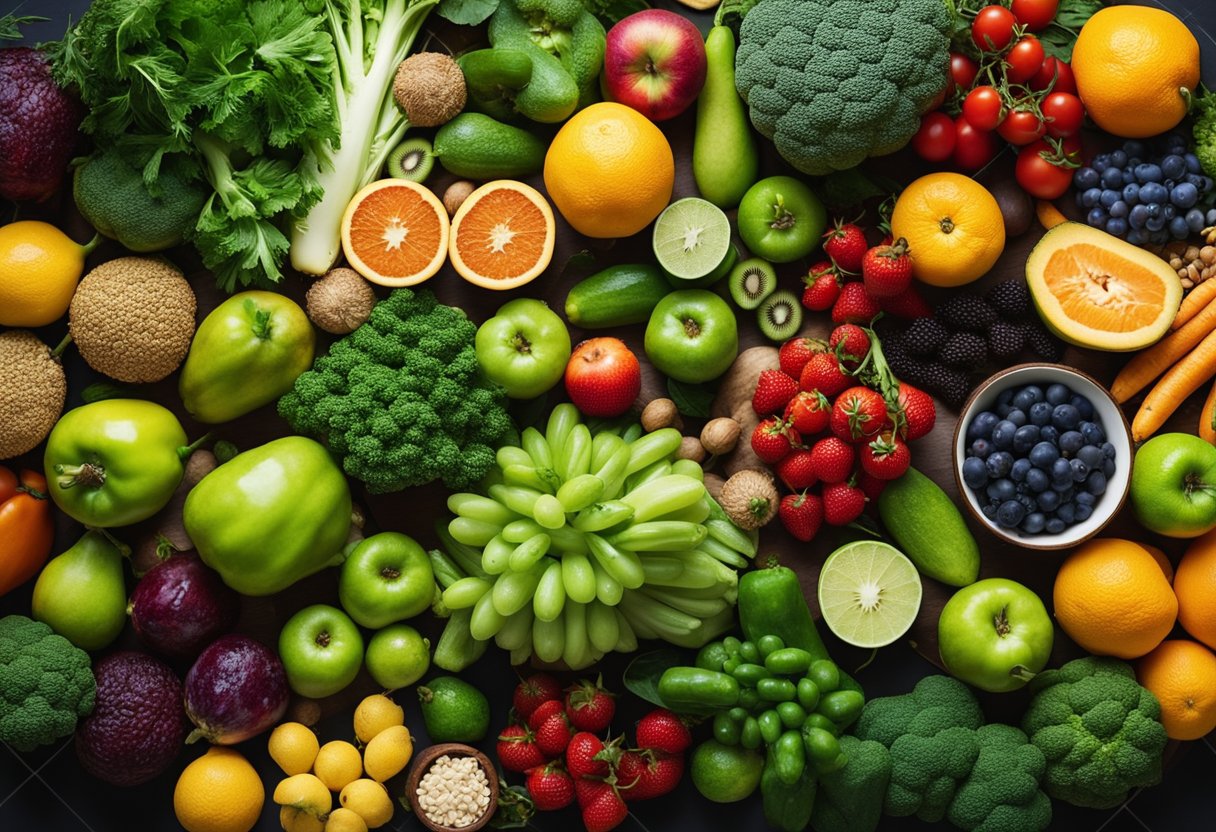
{"points": [[1112, 598], [603, 377], [1195, 586], [1136, 68], [953, 227], [609, 171], [1182, 675]]}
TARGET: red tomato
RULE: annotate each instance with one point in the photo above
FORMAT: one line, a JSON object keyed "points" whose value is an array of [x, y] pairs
{"points": [[27, 529], [1039, 177], [1063, 113], [1058, 70], [1021, 127], [983, 108], [972, 148], [934, 141], [1035, 15], [1024, 60], [963, 70], [992, 29]]}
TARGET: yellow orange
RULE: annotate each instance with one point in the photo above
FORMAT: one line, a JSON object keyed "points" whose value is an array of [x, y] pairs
{"points": [[953, 227], [294, 747], [1163, 561], [395, 233], [609, 171], [1112, 598], [218, 792], [39, 269], [1195, 586], [1182, 675], [502, 235]]}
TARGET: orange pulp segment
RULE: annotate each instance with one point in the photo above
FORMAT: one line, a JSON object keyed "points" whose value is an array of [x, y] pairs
{"points": [[502, 235], [395, 233]]}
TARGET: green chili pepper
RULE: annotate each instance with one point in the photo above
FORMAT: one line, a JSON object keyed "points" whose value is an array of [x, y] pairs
{"points": [[769, 645], [792, 714], [825, 675], [808, 694], [770, 726], [750, 674]]}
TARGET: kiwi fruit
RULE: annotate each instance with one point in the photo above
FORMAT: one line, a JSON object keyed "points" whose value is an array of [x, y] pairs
{"points": [[780, 316], [751, 281], [412, 160]]}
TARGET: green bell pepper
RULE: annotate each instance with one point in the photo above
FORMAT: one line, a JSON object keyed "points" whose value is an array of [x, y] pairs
{"points": [[270, 516], [247, 353], [566, 44], [115, 462]]}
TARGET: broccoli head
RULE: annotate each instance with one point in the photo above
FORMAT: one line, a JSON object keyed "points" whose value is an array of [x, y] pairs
{"points": [[832, 82], [401, 400], [1002, 794], [45, 684], [926, 772], [935, 704], [850, 799], [1099, 730]]}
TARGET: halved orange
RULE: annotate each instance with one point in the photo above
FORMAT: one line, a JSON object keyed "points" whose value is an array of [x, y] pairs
{"points": [[502, 235], [395, 233]]}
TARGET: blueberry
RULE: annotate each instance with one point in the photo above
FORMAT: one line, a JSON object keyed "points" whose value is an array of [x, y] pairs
{"points": [[1002, 410], [1108, 468], [999, 464], [1026, 438], [1091, 455], [1079, 470], [1204, 184], [1057, 394], [1085, 498], [1071, 441], [1067, 513], [1064, 489], [1178, 228], [1194, 220], [975, 472], [1043, 455], [1151, 192], [1134, 148], [981, 426], [1089, 197], [1065, 417], [1040, 413], [1118, 158], [1173, 166], [1095, 483], [1096, 217], [1153, 225], [1054, 526], [1019, 469], [1083, 512], [1116, 227], [1136, 237], [1027, 502], [1129, 177], [1010, 514], [1028, 395], [1034, 523], [1017, 416], [1005, 396], [1101, 162], [1131, 194], [1159, 237], [1194, 179], [1168, 212], [1108, 450], [1037, 481], [1192, 163], [1060, 472], [1048, 433], [1118, 210], [1083, 406], [1093, 433], [989, 511], [1002, 435], [1210, 217], [1085, 178], [1137, 216], [1112, 178], [1109, 197], [1184, 195], [1048, 500], [1146, 172], [980, 448], [1002, 489]]}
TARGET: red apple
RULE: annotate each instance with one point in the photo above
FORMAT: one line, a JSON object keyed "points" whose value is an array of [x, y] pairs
{"points": [[603, 377], [655, 63]]}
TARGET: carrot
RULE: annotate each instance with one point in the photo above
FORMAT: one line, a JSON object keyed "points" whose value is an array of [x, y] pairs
{"points": [[1196, 299], [1049, 215], [1207, 418], [1183, 379], [1152, 362]]}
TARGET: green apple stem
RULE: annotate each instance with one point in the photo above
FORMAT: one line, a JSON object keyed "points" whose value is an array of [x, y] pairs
{"points": [[783, 218], [1023, 673], [1001, 622], [89, 474], [1191, 483]]}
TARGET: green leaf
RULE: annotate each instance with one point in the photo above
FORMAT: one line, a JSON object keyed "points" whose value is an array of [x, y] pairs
{"points": [[10, 22], [466, 12], [1060, 35], [101, 390], [642, 675], [578, 261], [515, 807], [530, 412], [611, 11], [691, 399]]}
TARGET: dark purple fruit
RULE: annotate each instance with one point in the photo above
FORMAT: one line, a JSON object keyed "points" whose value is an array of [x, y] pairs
{"points": [[38, 126], [181, 606], [137, 726], [236, 689]]}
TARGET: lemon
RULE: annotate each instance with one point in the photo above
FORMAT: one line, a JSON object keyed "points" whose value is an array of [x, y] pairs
{"points": [[374, 714], [388, 753], [337, 764], [369, 800], [297, 820], [304, 792], [294, 747], [344, 820], [39, 269], [218, 792]]}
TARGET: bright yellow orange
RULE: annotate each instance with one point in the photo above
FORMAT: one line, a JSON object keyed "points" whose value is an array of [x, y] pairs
{"points": [[609, 171], [1162, 560], [1195, 586], [1182, 675], [1112, 598], [218, 792], [395, 233], [39, 269], [953, 227], [1136, 68], [502, 235]]}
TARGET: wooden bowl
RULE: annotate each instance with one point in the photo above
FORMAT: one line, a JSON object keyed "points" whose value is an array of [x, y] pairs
{"points": [[425, 759]]}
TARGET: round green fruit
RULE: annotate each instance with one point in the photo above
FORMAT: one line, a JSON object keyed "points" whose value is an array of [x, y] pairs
{"points": [[692, 336], [398, 656], [781, 219], [1173, 486], [321, 649], [994, 634], [524, 348]]}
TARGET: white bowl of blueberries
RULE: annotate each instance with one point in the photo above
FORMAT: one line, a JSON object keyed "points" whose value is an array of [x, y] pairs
{"points": [[1042, 456]]}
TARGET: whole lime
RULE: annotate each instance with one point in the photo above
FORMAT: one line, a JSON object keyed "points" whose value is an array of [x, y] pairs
{"points": [[725, 773], [453, 710]]}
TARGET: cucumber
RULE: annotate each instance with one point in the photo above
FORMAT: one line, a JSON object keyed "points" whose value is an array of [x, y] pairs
{"points": [[724, 158], [928, 528], [476, 146], [617, 296]]}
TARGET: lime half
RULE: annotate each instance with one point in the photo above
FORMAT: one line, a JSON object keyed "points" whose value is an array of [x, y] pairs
{"points": [[691, 238], [869, 593]]}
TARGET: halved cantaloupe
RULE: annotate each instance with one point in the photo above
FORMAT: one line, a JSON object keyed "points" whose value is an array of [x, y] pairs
{"points": [[1094, 290]]}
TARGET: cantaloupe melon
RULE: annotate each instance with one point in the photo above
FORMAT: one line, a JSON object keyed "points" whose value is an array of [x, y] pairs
{"points": [[1094, 290]]}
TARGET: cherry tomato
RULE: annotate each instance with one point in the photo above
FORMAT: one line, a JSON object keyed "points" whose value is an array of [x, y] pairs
{"points": [[1035, 15], [982, 108], [972, 148], [963, 70], [1024, 60], [1063, 112], [1039, 177], [1021, 127], [1058, 70], [992, 29], [934, 141]]}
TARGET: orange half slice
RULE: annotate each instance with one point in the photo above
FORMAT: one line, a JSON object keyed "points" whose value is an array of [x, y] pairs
{"points": [[502, 235], [395, 233]]}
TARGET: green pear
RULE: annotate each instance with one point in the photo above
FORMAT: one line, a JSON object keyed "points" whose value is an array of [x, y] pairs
{"points": [[80, 594]]}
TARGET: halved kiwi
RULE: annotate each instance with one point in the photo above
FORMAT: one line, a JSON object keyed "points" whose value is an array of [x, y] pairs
{"points": [[412, 160], [780, 315], [751, 281]]}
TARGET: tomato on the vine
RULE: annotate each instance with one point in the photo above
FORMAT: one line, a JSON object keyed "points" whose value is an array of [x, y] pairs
{"points": [[1057, 70], [1035, 15], [983, 108], [1021, 127], [1024, 60], [1041, 173], [972, 148], [963, 70], [934, 141], [992, 29], [1063, 112]]}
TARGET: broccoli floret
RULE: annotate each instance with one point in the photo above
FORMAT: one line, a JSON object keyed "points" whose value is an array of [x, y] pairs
{"points": [[926, 772], [1002, 794], [935, 704], [401, 400], [1099, 730], [850, 799], [1203, 129], [45, 684], [832, 82]]}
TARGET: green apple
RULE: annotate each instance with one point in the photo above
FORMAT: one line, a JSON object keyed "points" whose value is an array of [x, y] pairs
{"points": [[781, 219], [994, 634], [398, 656], [524, 348], [321, 649], [692, 336], [387, 578], [1174, 485]]}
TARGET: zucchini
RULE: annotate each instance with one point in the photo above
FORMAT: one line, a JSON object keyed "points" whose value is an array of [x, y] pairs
{"points": [[928, 528], [617, 296]]}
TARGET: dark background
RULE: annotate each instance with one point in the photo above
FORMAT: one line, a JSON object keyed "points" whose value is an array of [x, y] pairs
{"points": [[47, 789]]}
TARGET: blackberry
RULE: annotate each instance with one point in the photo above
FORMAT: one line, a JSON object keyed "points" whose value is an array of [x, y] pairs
{"points": [[967, 312], [950, 386], [963, 351], [954, 390], [925, 336], [1043, 344], [1010, 298], [1005, 340]]}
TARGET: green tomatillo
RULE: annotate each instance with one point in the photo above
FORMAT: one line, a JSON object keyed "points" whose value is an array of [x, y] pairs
{"points": [[995, 634], [524, 348], [781, 219]]}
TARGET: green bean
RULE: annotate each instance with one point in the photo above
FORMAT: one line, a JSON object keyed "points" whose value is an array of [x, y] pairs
{"points": [[730, 535]]}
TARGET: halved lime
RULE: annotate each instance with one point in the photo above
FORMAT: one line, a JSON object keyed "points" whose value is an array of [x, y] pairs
{"points": [[869, 593], [691, 238]]}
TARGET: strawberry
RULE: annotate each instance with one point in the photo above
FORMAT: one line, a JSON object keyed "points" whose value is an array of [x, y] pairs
{"points": [[795, 352], [858, 414], [797, 470], [661, 730], [822, 287], [545, 710], [832, 459], [773, 439], [590, 707], [850, 343], [550, 786], [531, 692], [642, 775], [886, 457], [854, 306], [908, 305], [808, 412], [887, 270], [588, 789], [846, 245], [605, 810], [553, 735], [917, 412], [823, 373], [582, 758], [774, 389], [517, 750], [842, 503], [801, 514], [870, 485]]}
